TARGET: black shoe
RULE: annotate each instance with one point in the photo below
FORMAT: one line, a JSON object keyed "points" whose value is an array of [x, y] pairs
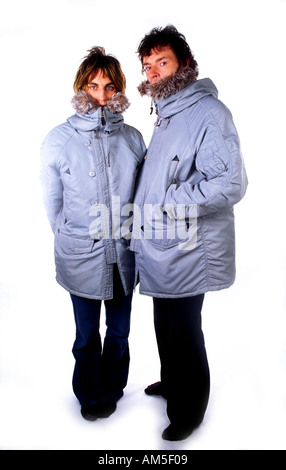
{"points": [[98, 410], [106, 409], [156, 389], [89, 412], [177, 432]]}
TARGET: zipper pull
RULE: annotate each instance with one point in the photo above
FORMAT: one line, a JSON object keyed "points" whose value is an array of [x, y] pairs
{"points": [[158, 122], [103, 121]]}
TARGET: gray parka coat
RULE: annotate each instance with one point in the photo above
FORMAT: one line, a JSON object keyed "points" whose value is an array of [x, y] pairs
{"points": [[88, 171], [192, 176]]}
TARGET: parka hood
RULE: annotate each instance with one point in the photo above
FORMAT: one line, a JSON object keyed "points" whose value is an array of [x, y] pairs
{"points": [[90, 115], [185, 98], [169, 85], [84, 103], [177, 92]]}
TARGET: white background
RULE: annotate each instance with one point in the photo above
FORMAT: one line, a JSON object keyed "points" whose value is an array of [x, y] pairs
{"points": [[240, 45]]}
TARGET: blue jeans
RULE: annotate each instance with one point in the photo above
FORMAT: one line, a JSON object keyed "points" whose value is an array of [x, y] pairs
{"points": [[185, 374], [100, 373]]}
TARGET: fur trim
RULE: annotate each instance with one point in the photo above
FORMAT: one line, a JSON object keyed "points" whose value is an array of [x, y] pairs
{"points": [[118, 103], [83, 102], [169, 85]]}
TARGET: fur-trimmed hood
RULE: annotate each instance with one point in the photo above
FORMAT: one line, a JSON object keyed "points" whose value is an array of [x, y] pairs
{"points": [[169, 85], [91, 116], [181, 90], [84, 103]]}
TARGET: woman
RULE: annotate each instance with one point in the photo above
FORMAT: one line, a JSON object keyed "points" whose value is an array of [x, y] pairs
{"points": [[89, 165]]}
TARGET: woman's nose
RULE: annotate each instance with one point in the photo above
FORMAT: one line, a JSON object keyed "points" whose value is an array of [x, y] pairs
{"points": [[102, 94]]}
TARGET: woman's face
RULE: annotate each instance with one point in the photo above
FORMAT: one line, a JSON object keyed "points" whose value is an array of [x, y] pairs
{"points": [[100, 88]]}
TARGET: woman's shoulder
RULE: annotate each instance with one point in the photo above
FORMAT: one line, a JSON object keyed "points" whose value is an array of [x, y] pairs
{"points": [[56, 140], [131, 131], [61, 131], [59, 135], [133, 135]]}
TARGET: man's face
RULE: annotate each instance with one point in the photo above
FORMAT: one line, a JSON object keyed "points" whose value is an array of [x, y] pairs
{"points": [[160, 64]]}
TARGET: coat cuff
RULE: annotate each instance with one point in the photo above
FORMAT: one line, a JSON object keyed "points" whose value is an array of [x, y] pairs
{"points": [[176, 210]]}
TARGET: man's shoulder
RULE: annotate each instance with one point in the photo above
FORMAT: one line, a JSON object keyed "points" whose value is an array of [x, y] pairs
{"points": [[209, 105]]}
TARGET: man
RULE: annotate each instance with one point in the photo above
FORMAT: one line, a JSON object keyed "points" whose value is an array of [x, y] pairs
{"points": [[192, 176]]}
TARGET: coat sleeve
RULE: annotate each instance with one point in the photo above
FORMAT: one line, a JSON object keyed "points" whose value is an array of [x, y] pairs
{"points": [[50, 178], [217, 178]]}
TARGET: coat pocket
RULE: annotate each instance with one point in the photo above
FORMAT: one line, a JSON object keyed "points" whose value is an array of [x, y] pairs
{"points": [[81, 266], [163, 238], [173, 169], [76, 246]]}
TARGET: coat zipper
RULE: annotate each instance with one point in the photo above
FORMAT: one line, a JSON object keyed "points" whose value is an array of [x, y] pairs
{"points": [[105, 137]]}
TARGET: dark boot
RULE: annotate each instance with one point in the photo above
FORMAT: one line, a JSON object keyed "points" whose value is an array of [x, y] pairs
{"points": [[156, 389]]}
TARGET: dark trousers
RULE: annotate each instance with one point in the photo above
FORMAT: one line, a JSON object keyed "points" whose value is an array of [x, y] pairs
{"points": [[101, 373], [185, 374]]}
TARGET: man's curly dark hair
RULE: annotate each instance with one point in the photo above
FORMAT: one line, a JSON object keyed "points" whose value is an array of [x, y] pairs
{"points": [[168, 36]]}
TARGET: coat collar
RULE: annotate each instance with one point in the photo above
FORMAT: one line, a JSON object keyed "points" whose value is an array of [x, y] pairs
{"points": [[84, 103], [169, 85], [181, 90], [91, 116]]}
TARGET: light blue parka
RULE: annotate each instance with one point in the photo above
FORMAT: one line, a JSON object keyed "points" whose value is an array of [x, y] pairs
{"points": [[88, 170], [191, 178]]}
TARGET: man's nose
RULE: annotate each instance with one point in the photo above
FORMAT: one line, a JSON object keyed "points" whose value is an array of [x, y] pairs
{"points": [[154, 71]]}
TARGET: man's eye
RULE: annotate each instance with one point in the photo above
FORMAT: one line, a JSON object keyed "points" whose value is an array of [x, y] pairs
{"points": [[146, 69], [163, 63]]}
